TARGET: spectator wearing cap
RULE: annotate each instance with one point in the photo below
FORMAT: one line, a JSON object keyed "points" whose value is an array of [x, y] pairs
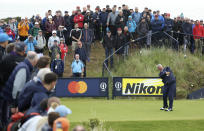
{"points": [[58, 19], [168, 23], [57, 66], [82, 55], [64, 49], [111, 21], [79, 19], [62, 123], [61, 32], [77, 67], [52, 39], [35, 29], [4, 39], [87, 38], [76, 35], [10, 33], [108, 44], [131, 24], [68, 26], [49, 27], [54, 50], [23, 29], [156, 24], [119, 41], [30, 43], [88, 18], [136, 16], [41, 42]]}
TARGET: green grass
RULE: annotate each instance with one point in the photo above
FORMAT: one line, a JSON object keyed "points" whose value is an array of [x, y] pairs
{"points": [[189, 71], [135, 113]]}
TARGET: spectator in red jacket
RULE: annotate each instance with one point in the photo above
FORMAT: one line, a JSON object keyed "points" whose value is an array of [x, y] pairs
{"points": [[64, 49], [197, 31], [10, 32], [202, 27], [79, 19]]}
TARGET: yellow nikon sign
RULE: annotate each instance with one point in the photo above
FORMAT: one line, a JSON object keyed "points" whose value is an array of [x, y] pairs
{"points": [[142, 86]]}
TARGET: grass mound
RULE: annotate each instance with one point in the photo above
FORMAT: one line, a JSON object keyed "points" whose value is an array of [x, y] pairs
{"points": [[188, 70]]}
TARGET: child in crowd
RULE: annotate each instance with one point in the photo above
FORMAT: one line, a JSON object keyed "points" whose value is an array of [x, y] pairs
{"points": [[63, 49], [57, 66]]}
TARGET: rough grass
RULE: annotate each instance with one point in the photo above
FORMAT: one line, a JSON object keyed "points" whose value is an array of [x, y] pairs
{"points": [[189, 71]]}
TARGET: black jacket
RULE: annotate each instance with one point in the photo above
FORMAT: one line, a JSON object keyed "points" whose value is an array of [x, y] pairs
{"points": [[9, 62], [89, 20], [67, 22], [119, 41], [108, 42], [119, 23], [82, 53], [142, 28]]}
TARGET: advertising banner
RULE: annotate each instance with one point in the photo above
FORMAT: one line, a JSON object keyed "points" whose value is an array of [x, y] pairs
{"points": [[82, 87], [137, 86]]}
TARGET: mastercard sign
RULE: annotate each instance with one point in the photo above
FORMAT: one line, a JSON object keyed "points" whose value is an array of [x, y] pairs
{"points": [[77, 87], [82, 87]]}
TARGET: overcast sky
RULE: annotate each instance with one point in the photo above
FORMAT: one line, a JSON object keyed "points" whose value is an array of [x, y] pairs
{"points": [[191, 8]]}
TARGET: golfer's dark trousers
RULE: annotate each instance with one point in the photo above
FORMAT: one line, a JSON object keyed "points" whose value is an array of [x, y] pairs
{"points": [[169, 91]]}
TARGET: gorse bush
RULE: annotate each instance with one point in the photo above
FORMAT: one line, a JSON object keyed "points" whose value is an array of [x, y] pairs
{"points": [[189, 71]]}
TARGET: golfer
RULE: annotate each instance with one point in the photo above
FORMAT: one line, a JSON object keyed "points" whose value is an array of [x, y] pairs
{"points": [[169, 81]]}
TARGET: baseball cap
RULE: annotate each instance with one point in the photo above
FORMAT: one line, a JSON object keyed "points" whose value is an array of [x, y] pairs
{"points": [[66, 12], [63, 111], [55, 40], [54, 32], [49, 17], [4, 37], [19, 47], [119, 29]]}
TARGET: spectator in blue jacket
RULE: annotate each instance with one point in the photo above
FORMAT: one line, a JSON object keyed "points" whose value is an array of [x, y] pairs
{"points": [[156, 24], [131, 24], [103, 19], [30, 88], [168, 23], [77, 67], [57, 66], [136, 16], [30, 43]]}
